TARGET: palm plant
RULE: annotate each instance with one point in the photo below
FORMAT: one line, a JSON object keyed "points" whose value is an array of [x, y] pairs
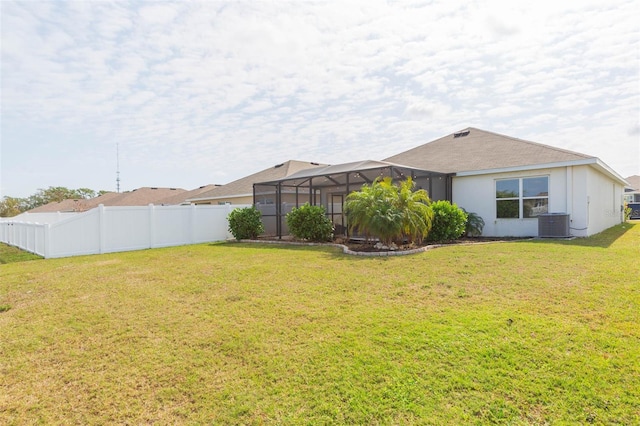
{"points": [[389, 212], [474, 225], [358, 207], [417, 216]]}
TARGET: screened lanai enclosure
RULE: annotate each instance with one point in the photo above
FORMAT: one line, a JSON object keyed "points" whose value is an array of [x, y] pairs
{"points": [[329, 186]]}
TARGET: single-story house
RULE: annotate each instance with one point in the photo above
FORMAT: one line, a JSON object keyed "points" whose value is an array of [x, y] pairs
{"points": [[632, 196], [632, 190], [137, 197], [241, 191], [519, 188]]}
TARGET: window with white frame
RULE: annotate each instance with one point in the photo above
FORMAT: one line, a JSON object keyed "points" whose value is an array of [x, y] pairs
{"points": [[522, 197]]}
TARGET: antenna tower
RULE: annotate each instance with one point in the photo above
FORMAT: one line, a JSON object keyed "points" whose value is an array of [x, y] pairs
{"points": [[117, 167]]}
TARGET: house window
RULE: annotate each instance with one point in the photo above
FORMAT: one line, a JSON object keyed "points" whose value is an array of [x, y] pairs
{"points": [[522, 197]]}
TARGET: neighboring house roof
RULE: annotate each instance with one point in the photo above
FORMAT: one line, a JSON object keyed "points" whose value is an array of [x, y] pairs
{"points": [[137, 197], [143, 196], [183, 196], [101, 199], [76, 204], [634, 182], [68, 205], [244, 186]]}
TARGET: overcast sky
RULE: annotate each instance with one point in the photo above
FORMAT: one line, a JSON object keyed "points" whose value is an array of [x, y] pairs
{"points": [[207, 92]]}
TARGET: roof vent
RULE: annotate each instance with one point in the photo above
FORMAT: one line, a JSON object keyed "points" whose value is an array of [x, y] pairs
{"points": [[315, 164], [461, 134], [279, 165]]}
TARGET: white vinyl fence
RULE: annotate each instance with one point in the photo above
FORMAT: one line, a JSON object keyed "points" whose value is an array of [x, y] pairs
{"points": [[113, 229]]}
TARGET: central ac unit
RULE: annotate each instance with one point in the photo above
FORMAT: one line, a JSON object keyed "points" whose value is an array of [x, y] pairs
{"points": [[553, 225]]}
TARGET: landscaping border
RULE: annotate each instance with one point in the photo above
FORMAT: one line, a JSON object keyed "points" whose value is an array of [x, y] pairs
{"points": [[347, 250]]}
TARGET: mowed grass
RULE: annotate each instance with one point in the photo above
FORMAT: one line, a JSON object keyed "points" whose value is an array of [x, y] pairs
{"points": [[9, 254], [533, 332]]}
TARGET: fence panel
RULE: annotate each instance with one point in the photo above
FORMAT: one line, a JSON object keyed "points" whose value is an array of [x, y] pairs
{"points": [[114, 229], [49, 217], [170, 226], [125, 228], [27, 236], [75, 236], [211, 224]]}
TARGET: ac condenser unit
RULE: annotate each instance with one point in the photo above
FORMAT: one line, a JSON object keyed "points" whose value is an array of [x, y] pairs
{"points": [[553, 225]]}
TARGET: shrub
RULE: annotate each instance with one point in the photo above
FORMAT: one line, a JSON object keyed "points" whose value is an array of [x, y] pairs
{"points": [[449, 221], [245, 223], [310, 223], [474, 225]]}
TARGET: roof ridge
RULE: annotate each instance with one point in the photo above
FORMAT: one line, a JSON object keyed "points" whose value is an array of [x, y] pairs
{"points": [[288, 166]]}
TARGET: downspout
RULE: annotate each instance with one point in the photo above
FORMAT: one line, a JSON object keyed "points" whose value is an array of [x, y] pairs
{"points": [[569, 194], [278, 210], [344, 217], [449, 188]]}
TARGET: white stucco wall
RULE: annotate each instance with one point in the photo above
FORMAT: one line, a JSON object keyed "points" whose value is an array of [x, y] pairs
{"points": [[587, 195], [604, 203]]}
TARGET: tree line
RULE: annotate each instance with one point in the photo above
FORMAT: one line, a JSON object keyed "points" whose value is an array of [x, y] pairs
{"points": [[11, 206]]}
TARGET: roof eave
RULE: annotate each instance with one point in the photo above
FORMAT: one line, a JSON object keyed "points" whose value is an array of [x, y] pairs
{"points": [[593, 161]]}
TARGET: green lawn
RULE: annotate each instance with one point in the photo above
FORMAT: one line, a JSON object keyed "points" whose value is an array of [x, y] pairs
{"points": [[535, 332], [9, 254]]}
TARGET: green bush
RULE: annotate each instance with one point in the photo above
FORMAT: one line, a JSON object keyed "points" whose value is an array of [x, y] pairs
{"points": [[449, 221], [245, 223], [310, 223]]}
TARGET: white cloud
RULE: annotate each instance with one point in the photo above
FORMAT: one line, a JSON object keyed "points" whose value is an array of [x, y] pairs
{"points": [[196, 91]]}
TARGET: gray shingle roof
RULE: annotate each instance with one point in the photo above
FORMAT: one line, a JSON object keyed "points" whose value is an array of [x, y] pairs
{"points": [[143, 196], [138, 197], [473, 149], [244, 186], [183, 196]]}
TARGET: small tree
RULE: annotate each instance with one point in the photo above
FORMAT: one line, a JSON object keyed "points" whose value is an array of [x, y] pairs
{"points": [[310, 223], [448, 221], [245, 223], [10, 206]]}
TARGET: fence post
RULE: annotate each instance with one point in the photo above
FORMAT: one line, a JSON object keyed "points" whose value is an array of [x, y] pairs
{"points": [[225, 221], [152, 224], [47, 240], [192, 223], [102, 229]]}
